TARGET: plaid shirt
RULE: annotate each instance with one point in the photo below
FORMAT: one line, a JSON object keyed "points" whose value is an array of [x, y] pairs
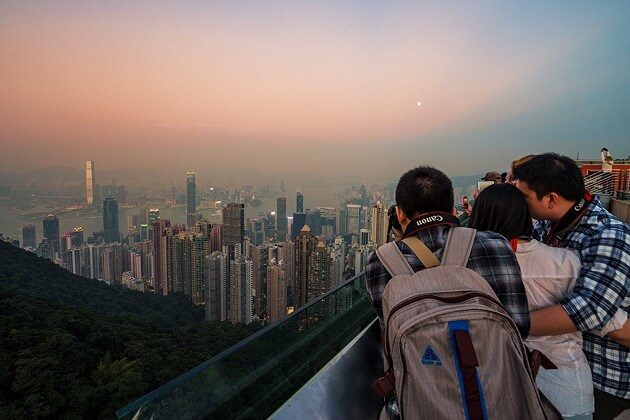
{"points": [[603, 244], [491, 257]]}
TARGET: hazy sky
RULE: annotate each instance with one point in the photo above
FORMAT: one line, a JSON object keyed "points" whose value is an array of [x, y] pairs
{"points": [[310, 86]]}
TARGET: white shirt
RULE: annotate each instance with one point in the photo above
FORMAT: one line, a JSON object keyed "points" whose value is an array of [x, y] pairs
{"points": [[549, 274]]}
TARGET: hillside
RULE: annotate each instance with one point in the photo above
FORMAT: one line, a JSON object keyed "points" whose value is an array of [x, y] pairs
{"points": [[75, 348]]}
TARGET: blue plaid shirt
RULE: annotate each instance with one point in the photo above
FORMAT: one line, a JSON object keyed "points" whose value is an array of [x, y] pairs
{"points": [[603, 244], [491, 257]]}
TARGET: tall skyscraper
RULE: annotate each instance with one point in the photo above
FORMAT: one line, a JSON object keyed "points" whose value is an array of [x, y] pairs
{"points": [[320, 272], [364, 237], [216, 283], [233, 228], [51, 232], [299, 203], [154, 214], [89, 182], [299, 220], [191, 199], [304, 247], [29, 236], [281, 219], [159, 254], [113, 263], [276, 292], [378, 224], [354, 215], [111, 232], [240, 308], [342, 221]]}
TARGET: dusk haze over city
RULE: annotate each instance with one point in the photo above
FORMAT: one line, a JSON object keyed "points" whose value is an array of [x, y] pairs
{"points": [[314, 209]]}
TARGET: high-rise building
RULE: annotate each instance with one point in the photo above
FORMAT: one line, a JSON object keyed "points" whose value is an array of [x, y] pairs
{"points": [[281, 219], [110, 220], [191, 199], [320, 272], [89, 182], [113, 263], [299, 220], [216, 287], [260, 262], [159, 254], [354, 215], [154, 214], [240, 296], [342, 221], [299, 203], [94, 266], [304, 247], [338, 256], [233, 228], [29, 239], [378, 224], [51, 232], [276, 292]]}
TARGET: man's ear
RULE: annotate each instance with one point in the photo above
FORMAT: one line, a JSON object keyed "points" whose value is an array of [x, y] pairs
{"points": [[400, 215], [553, 200]]}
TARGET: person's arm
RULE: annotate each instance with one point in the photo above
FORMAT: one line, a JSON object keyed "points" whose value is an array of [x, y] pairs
{"points": [[552, 320], [621, 336], [602, 285]]}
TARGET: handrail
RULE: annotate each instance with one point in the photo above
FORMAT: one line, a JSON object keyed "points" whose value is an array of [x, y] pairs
{"points": [[183, 378]]}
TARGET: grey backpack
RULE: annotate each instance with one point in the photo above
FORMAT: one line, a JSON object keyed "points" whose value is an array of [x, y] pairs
{"points": [[451, 350]]}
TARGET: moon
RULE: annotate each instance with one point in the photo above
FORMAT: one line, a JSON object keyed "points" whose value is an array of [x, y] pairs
{"points": [[419, 104]]}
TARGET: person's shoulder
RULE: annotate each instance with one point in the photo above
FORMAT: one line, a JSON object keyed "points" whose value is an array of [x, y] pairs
{"points": [[488, 236], [564, 259], [601, 223], [491, 243]]}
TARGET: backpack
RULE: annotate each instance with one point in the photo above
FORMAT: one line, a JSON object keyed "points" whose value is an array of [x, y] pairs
{"points": [[451, 350]]}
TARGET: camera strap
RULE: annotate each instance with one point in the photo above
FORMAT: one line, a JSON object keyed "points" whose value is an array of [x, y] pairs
{"points": [[561, 228], [428, 220]]}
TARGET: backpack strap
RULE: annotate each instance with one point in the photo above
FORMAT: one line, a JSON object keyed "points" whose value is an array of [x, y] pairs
{"points": [[393, 260], [458, 246], [424, 254]]}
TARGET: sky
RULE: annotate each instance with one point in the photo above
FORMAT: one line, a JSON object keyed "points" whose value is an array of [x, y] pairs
{"points": [[368, 89]]}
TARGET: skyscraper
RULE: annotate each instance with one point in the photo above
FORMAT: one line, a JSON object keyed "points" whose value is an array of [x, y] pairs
{"points": [[240, 308], [191, 199], [216, 293], [299, 220], [89, 182], [281, 219], [29, 237], [110, 220], [320, 272], [354, 214], [159, 254], [276, 292], [304, 247], [299, 203], [51, 232], [233, 228], [378, 224]]}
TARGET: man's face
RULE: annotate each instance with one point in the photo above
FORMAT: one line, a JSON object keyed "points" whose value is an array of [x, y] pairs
{"points": [[540, 208]]}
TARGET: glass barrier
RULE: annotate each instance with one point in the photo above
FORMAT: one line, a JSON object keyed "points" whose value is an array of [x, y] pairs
{"points": [[257, 375]]}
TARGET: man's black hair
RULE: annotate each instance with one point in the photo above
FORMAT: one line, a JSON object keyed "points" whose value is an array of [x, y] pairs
{"points": [[551, 172], [424, 189], [502, 208]]}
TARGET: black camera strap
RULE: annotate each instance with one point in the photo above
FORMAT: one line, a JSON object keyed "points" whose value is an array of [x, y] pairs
{"points": [[561, 228], [427, 220]]}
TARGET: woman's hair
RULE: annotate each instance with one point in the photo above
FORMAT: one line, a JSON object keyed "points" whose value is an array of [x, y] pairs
{"points": [[502, 208]]}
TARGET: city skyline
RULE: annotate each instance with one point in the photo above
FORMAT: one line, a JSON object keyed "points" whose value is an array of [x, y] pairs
{"points": [[350, 89]]}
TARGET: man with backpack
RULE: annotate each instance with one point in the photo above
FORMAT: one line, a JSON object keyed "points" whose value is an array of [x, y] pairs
{"points": [[427, 192], [454, 311], [569, 217]]}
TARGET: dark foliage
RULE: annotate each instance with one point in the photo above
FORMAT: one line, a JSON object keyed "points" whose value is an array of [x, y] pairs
{"points": [[72, 347]]}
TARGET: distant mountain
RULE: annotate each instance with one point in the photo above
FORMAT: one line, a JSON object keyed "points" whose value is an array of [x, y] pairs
{"points": [[78, 348]]}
